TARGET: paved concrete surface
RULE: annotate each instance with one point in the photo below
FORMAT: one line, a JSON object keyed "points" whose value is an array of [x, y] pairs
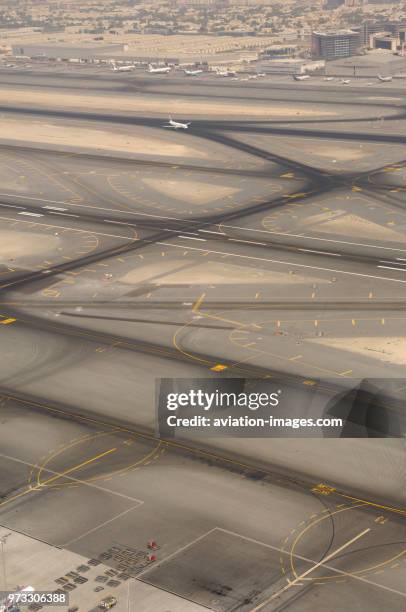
{"points": [[271, 246]]}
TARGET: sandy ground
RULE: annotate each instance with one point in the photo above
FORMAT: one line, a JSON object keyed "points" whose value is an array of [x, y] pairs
{"points": [[212, 273], [192, 191], [135, 141], [351, 225], [14, 244], [147, 104], [339, 153], [388, 349]]}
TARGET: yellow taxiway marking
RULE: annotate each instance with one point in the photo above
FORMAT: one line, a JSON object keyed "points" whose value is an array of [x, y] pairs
{"points": [[219, 367], [373, 504], [198, 303], [310, 570], [185, 447], [323, 489], [61, 475], [76, 467]]}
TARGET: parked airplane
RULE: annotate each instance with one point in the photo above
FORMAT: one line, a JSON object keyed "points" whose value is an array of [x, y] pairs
{"points": [[177, 125], [345, 81], [122, 68], [226, 73], [192, 72], [384, 79], [160, 70], [301, 77]]}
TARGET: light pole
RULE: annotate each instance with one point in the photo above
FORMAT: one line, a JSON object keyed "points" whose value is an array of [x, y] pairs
{"points": [[3, 540]]}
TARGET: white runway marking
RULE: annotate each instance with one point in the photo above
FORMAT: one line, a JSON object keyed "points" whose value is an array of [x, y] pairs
{"points": [[55, 208], [192, 238], [320, 252], [284, 263], [29, 214], [71, 229], [245, 229], [390, 268]]}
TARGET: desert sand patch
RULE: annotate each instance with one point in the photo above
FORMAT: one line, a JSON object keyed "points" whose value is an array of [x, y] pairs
{"points": [[210, 273], [192, 191], [388, 349], [338, 222], [179, 107], [338, 153], [13, 244], [143, 142]]}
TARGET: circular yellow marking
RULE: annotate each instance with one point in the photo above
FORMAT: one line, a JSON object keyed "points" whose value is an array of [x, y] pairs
{"points": [[154, 453], [326, 578]]}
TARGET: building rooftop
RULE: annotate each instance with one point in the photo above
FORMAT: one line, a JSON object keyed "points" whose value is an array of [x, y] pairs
{"points": [[335, 33]]}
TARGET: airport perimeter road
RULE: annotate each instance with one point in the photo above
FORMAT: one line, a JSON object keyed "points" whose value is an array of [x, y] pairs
{"points": [[268, 240]]}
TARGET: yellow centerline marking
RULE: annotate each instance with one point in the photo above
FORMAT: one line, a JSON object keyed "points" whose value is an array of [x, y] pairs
{"points": [[76, 467], [61, 475]]}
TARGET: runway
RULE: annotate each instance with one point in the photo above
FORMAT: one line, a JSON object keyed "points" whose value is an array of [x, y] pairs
{"points": [[272, 247]]}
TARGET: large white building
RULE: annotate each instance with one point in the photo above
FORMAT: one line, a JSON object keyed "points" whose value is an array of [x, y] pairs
{"points": [[65, 51], [291, 66]]}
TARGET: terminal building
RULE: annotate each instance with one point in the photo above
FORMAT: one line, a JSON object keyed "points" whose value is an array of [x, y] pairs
{"points": [[124, 54], [83, 52], [333, 45], [383, 40], [291, 66]]}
